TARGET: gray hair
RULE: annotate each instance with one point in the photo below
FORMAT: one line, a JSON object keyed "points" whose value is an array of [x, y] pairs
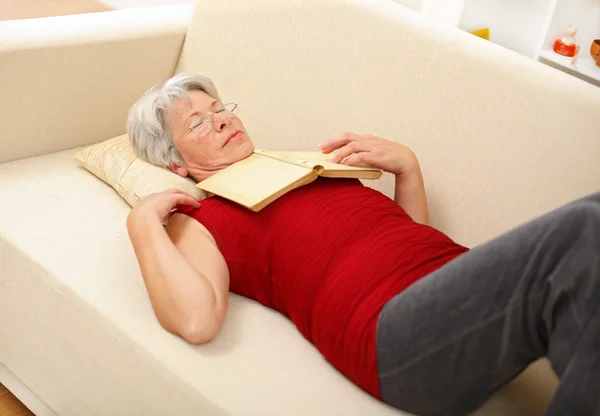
{"points": [[148, 122]]}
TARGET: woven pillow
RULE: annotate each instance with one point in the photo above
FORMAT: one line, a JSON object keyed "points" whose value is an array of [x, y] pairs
{"points": [[115, 163]]}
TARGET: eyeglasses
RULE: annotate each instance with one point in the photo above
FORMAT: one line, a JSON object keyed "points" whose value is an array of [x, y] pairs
{"points": [[203, 124]]}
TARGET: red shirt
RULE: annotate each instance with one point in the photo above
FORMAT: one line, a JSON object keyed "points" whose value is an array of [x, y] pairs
{"points": [[328, 255]]}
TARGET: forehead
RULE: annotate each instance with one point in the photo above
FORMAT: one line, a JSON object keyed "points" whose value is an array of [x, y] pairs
{"points": [[199, 103]]}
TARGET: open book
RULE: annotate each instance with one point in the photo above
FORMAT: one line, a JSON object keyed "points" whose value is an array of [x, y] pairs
{"points": [[266, 175]]}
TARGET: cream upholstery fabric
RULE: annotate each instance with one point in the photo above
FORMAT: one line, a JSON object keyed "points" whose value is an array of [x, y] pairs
{"points": [[115, 163], [68, 81], [76, 325], [501, 138], [23, 393]]}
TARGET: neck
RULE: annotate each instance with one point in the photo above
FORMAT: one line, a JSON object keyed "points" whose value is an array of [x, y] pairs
{"points": [[199, 174]]}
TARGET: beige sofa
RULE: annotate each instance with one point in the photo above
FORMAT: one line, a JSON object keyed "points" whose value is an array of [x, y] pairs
{"points": [[501, 139]]}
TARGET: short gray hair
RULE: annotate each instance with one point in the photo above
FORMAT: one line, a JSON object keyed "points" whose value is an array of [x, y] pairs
{"points": [[148, 122]]}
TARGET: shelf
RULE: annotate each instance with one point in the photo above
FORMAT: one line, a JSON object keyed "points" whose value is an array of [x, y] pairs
{"points": [[584, 63]]}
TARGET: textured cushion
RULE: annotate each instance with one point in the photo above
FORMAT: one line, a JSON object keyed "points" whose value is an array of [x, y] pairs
{"points": [[115, 163]]}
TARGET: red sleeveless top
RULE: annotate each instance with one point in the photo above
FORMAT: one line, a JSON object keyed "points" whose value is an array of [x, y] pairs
{"points": [[328, 255]]}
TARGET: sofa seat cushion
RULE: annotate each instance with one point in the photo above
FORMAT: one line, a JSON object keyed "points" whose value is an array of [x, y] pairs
{"points": [[74, 311]]}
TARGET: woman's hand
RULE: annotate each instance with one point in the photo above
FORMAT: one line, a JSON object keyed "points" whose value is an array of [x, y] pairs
{"points": [[392, 157], [161, 204], [371, 150]]}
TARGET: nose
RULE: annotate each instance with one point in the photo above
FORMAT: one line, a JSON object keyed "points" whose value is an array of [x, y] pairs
{"points": [[220, 122]]}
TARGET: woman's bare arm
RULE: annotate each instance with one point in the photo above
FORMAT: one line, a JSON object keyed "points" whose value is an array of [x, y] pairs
{"points": [[185, 274], [410, 193]]}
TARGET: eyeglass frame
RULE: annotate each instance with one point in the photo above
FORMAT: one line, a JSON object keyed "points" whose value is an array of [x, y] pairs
{"points": [[207, 116]]}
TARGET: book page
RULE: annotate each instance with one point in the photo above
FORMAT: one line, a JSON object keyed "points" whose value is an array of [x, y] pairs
{"points": [[315, 159], [257, 180]]}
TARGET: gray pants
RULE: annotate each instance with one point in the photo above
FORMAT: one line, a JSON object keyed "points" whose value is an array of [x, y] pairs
{"points": [[450, 340]]}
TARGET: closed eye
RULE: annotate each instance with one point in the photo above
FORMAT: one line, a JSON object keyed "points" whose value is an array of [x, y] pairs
{"points": [[199, 122]]}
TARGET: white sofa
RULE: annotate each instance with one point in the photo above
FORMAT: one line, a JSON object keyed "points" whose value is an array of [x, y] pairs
{"points": [[501, 139]]}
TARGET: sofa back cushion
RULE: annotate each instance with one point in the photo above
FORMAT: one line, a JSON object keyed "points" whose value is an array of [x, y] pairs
{"points": [[501, 138]]}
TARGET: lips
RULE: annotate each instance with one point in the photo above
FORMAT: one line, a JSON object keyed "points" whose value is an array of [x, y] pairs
{"points": [[232, 136]]}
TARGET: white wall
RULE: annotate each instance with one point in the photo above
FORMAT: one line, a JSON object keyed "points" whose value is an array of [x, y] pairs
{"points": [[412, 4], [515, 24], [520, 25], [447, 12], [583, 15]]}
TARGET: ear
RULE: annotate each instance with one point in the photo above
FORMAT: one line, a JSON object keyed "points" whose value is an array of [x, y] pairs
{"points": [[180, 170]]}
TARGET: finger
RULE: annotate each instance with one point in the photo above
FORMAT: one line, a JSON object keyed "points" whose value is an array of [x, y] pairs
{"points": [[179, 207], [354, 147], [338, 141], [185, 199], [178, 191], [363, 158]]}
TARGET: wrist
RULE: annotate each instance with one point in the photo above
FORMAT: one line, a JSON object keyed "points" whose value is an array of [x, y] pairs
{"points": [[410, 167], [139, 220]]}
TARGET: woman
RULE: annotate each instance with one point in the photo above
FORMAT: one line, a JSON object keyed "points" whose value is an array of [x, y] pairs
{"points": [[403, 311]]}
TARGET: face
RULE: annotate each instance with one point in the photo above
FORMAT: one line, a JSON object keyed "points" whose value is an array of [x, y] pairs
{"points": [[205, 153]]}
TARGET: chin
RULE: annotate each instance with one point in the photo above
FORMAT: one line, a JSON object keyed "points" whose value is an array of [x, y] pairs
{"points": [[246, 148], [234, 152]]}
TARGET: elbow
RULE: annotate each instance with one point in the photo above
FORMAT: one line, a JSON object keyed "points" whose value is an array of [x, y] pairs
{"points": [[199, 331], [197, 336], [198, 324]]}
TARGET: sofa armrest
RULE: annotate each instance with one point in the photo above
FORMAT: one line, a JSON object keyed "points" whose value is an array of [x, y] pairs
{"points": [[69, 81]]}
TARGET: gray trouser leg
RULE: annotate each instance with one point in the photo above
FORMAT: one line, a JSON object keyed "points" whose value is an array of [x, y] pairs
{"points": [[450, 340]]}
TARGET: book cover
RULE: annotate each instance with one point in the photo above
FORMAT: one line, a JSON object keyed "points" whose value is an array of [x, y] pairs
{"points": [[266, 175]]}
